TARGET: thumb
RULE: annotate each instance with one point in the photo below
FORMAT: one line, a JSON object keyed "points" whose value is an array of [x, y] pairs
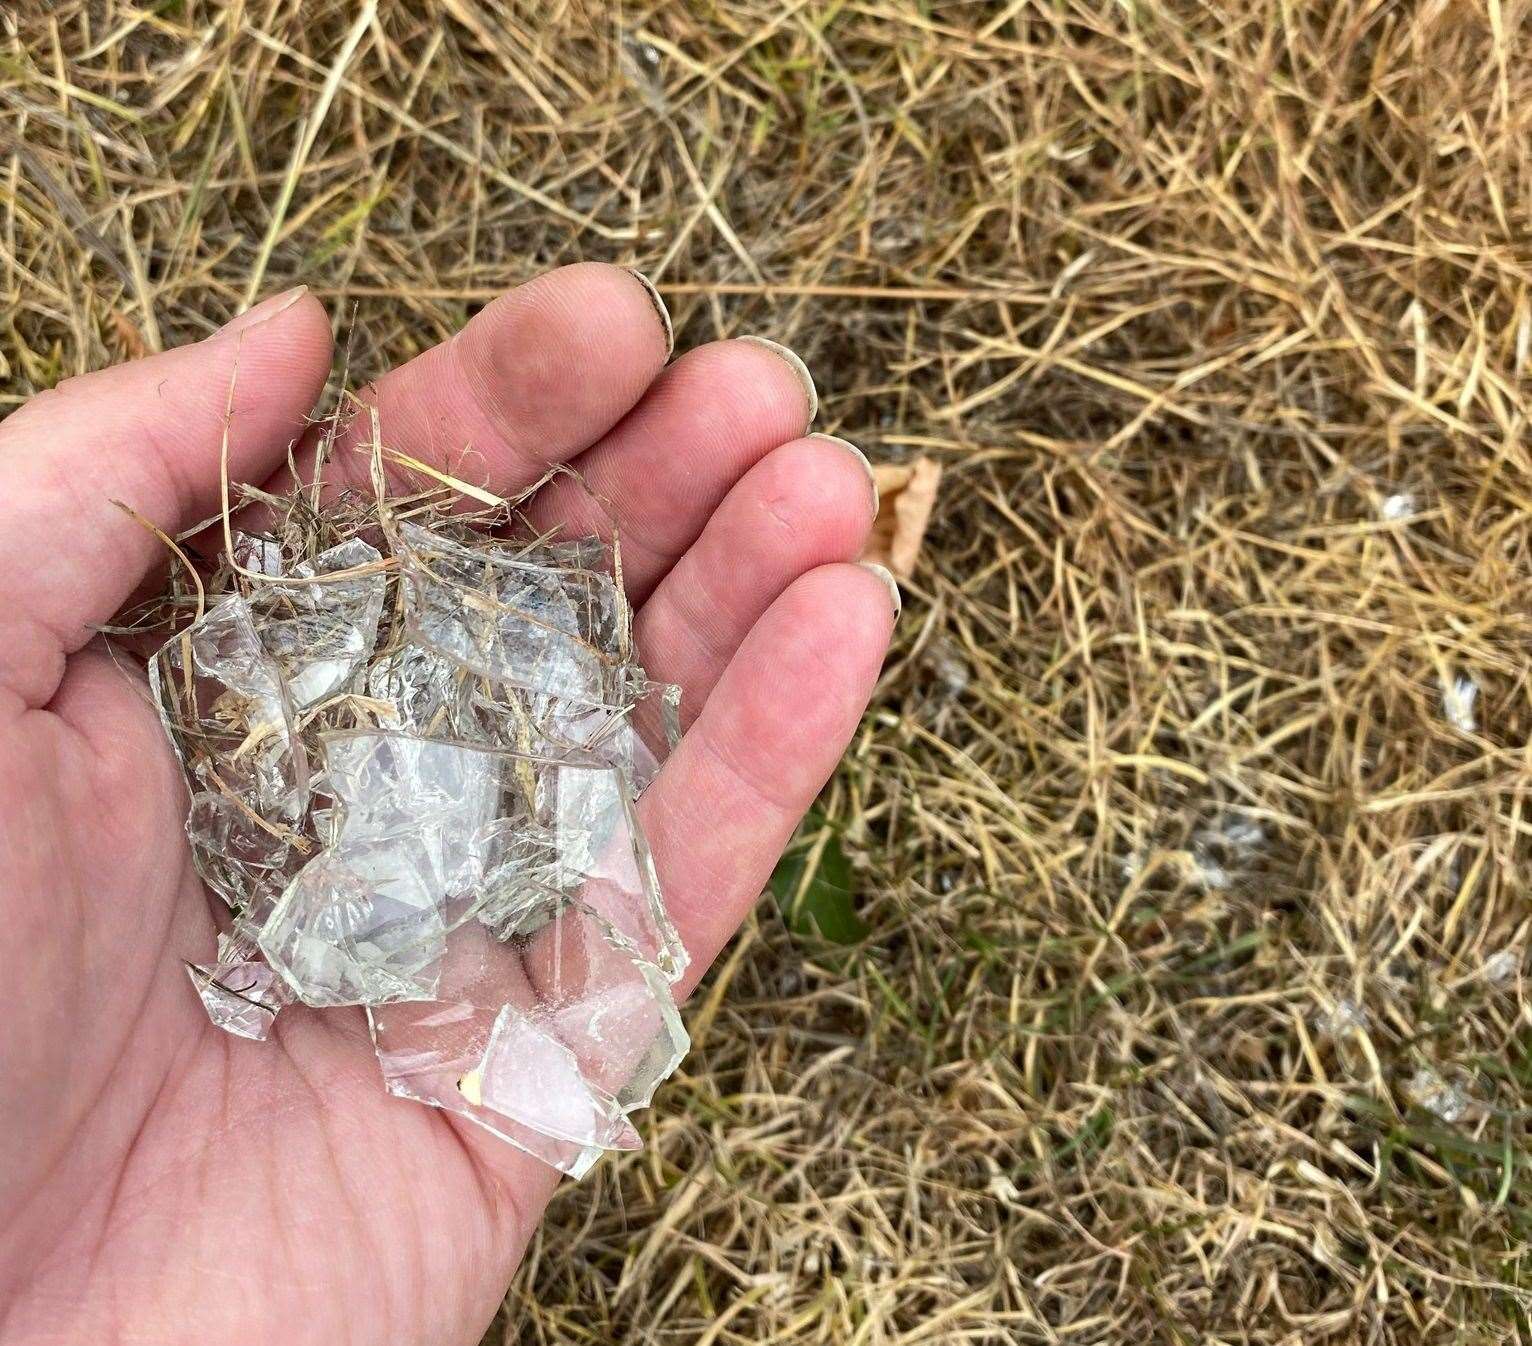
{"points": [[148, 434]]}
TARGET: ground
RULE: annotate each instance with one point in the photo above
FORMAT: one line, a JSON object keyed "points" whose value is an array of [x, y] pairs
{"points": [[1182, 857]]}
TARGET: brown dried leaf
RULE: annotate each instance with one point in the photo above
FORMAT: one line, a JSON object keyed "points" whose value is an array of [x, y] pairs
{"points": [[132, 339], [906, 497]]}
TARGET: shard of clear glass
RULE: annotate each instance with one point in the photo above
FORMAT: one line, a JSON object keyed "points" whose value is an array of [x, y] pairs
{"points": [[562, 1032], [415, 778], [321, 634], [241, 997], [365, 921], [544, 629], [225, 706]]}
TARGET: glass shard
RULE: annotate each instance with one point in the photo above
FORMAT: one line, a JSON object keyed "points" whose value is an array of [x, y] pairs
{"points": [[636, 732], [597, 854], [561, 1033], [529, 626], [244, 858], [240, 997], [257, 553], [225, 706], [365, 921], [322, 634], [362, 923], [435, 816], [430, 1051], [430, 694]]}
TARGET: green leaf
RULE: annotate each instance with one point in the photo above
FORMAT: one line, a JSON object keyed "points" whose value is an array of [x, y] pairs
{"points": [[813, 886]]}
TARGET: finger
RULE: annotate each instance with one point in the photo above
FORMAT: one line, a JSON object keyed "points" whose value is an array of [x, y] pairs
{"points": [[663, 471], [807, 504], [725, 804], [148, 434], [537, 376]]}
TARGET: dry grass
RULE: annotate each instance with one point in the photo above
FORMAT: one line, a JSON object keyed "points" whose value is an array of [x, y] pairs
{"points": [[1186, 898]]}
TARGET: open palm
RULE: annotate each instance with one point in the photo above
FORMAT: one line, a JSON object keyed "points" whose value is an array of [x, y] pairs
{"points": [[160, 1180]]}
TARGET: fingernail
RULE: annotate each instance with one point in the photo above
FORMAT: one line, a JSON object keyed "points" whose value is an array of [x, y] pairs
{"points": [[659, 308], [861, 457], [889, 583], [266, 310], [798, 367]]}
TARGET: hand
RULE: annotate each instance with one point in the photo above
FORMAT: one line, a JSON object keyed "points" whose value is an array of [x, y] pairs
{"points": [[162, 1181]]}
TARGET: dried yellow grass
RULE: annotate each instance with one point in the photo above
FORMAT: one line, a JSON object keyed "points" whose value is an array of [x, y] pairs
{"points": [[1187, 899]]}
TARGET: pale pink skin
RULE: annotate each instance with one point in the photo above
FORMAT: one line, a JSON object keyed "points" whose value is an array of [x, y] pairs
{"points": [[161, 1181]]}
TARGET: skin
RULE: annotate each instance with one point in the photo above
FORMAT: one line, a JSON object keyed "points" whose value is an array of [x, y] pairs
{"points": [[161, 1181]]}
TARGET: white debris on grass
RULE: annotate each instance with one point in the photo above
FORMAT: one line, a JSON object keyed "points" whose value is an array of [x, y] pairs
{"points": [[1458, 696]]}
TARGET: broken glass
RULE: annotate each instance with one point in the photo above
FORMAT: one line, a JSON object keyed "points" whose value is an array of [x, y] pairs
{"points": [[430, 695], [540, 628], [429, 1052], [257, 553], [435, 817], [562, 1032], [365, 921], [322, 634], [635, 731], [597, 854], [240, 997], [243, 857], [226, 708]]}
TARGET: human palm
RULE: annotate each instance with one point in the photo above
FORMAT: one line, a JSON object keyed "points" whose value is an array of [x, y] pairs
{"points": [[160, 1180]]}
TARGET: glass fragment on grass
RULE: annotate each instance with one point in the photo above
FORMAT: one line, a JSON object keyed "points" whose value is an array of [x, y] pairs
{"points": [[1341, 1021], [1428, 1089], [1233, 833], [1220, 851], [1502, 966], [949, 668], [1458, 696]]}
